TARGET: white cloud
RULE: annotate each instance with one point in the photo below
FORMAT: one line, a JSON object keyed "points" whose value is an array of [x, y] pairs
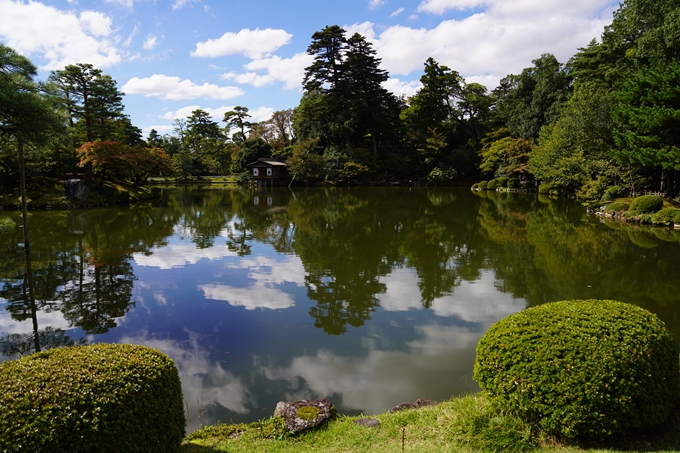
{"points": [[150, 42], [373, 4], [397, 12], [251, 43], [400, 88], [258, 114], [488, 45], [200, 377], [174, 256], [128, 41], [180, 3], [61, 37], [441, 6], [160, 128], [289, 71], [125, 3], [173, 88], [254, 296], [353, 379]]}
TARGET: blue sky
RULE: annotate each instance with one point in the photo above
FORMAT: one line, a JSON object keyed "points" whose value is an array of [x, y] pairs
{"points": [[173, 56]]}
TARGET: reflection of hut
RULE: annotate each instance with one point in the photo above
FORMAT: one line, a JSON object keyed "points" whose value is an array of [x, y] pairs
{"points": [[269, 172]]}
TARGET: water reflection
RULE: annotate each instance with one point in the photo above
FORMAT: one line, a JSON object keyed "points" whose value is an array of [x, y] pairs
{"points": [[368, 296]]}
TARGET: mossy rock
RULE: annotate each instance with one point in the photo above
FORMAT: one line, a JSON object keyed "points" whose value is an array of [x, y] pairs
{"points": [[103, 398], [582, 369]]}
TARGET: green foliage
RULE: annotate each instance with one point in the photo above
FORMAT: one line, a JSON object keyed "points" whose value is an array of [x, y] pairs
{"points": [[667, 216], [104, 398], [612, 193], [475, 186], [617, 206], [573, 152], [545, 188], [493, 184], [581, 369], [482, 185], [7, 225], [513, 183], [646, 204]]}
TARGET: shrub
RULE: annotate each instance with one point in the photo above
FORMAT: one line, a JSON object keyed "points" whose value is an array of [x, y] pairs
{"points": [[646, 204], [617, 206], [513, 183], [492, 185], [7, 225], [612, 193], [581, 369], [104, 398], [482, 185], [545, 188], [502, 182], [667, 216], [475, 186]]}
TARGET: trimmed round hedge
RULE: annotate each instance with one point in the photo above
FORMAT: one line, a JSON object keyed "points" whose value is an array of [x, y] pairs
{"points": [[545, 188], [646, 204], [482, 185], [582, 369], [103, 398]]}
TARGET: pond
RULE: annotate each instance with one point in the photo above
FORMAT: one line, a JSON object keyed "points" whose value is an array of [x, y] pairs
{"points": [[367, 296]]}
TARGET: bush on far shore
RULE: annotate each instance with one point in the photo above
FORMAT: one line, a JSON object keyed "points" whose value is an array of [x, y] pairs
{"points": [[646, 204], [582, 369], [103, 398]]}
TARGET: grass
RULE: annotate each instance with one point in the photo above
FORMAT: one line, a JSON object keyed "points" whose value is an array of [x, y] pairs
{"points": [[467, 424]]}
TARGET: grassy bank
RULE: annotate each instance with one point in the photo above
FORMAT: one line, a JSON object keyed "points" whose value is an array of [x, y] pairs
{"points": [[468, 424]]}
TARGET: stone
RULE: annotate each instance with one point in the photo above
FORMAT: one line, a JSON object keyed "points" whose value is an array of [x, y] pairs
{"points": [[76, 190], [303, 414], [367, 422], [417, 404]]}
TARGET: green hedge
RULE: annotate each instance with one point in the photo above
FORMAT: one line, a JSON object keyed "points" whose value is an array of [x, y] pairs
{"points": [[617, 206], [103, 398], [492, 185], [513, 183], [667, 216], [581, 369], [475, 186], [646, 204], [482, 185], [612, 193]]}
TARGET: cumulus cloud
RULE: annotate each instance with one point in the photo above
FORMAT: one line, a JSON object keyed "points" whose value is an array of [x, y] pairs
{"points": [[200, 376], [289, 71], [174, 256], [373, 4], [174, 88], [251, 43], [61, 37], [353, 379], [400, 88], [503, 38], [254, 296]]}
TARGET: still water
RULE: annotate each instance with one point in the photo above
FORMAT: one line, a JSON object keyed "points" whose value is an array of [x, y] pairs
{"points": [[367, 296]]}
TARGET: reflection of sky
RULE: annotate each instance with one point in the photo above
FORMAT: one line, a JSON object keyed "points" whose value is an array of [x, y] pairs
{"points": [[240, 332]]}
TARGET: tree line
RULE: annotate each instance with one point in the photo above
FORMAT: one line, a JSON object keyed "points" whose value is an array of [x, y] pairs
{"points": [[607, 119]]}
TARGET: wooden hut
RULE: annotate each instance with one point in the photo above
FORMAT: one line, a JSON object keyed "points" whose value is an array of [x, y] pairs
{"points": [[269, 172]]}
